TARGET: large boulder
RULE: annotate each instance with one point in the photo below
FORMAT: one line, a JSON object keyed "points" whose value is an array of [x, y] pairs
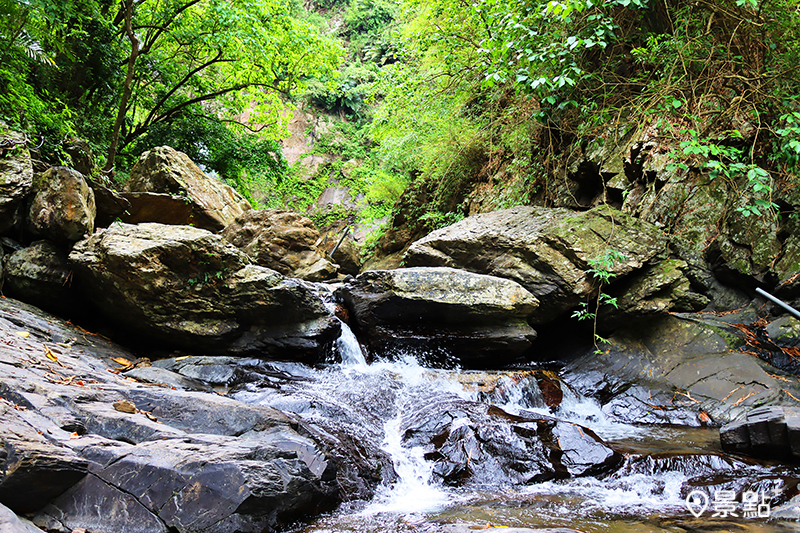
{"points": [[768, 432], [190, 288], [41, 275], [163, 170], [63, 207], [84, 448], [547, 251], [16, 179], [281, 240], [478, 320]]}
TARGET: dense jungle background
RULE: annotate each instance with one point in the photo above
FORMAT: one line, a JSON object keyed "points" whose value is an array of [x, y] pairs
{"points": [[412, 115]]}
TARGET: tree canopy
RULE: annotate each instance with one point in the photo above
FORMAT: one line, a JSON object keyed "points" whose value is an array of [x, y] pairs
{"points": [[157, 62]]}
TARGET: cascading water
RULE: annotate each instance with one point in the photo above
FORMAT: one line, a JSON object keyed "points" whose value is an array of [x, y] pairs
{"points": [[391, 407]]}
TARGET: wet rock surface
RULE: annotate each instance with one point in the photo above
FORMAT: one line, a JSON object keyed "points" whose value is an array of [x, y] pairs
{"points": [[281, 240], [164, 170], [475, 319], [74, 456], [41, 275], [680, 370], [192, 289], [472, 443], [547, 251], [770, 432]]}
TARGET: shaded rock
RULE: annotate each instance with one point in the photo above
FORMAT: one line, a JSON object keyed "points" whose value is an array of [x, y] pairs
{"points": [[33, 468], [479, 444], [167, 378], [678, 370], [111, 205], [655, 290], [160, 208], [81, 155], [215, 370], [244, 485], [209, 463], [164, 170], [16, 181], [41, 275], [346, 253], [11, 523], [192, 289], [63, 208], [547, 251], [784, 330], [478, 320], [770, 432], [281, 240]]}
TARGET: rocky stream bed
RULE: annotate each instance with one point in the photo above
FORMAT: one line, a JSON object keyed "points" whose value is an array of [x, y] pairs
{"points": [[207, 369]]}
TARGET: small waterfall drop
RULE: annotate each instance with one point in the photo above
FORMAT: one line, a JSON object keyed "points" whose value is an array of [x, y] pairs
{"points": [[346, 345], [349, 349], [413, 492]]}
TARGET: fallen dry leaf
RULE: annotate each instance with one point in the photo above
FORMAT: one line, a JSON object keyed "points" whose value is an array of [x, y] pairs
{"points": [[23, 334], [121, 361], [50, 355], [124, 406]]}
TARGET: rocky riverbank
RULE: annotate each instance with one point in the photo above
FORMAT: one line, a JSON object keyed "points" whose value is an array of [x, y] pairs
{"points": [[213, 300]]}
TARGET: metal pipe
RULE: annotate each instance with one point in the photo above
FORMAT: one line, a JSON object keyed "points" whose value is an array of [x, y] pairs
{"points": [[346, 231], [783, 304]]}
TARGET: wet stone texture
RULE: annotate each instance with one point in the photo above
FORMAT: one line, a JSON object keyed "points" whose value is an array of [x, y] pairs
{"points": [[681, 369], [472, 443], [769, 432], [479, 320], [85, 448]]}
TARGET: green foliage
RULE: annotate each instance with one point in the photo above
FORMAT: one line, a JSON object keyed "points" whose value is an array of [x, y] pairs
{"points": [[345, 92], [601, 269], [735, 165], [369, 16], [237, 156]]}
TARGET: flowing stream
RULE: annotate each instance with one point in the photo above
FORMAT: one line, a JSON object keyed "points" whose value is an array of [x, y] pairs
{"points": [[376, 404]]}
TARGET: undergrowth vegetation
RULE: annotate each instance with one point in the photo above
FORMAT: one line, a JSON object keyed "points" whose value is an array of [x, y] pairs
{"points": [[494, 91]]}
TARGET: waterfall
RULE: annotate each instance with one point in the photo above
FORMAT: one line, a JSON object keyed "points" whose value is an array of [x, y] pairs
{"points": [[346, 345], [349, 349]]}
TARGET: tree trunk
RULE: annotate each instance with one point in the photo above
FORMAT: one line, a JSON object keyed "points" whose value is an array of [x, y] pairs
{"points": [[126, 89]]}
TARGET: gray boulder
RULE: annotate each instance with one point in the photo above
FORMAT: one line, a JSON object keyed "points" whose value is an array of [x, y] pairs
{"points": [[478, 320], [189, 288], [84, 448], [281, 240], [40, 275], [63, 207], [164, 170], [472, 443], [547, 251], [16, 180], [11, 523]]}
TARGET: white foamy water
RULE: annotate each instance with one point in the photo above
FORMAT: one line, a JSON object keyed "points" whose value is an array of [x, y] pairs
{"points": [[349, 349], [414, 491], [635, 494]]}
